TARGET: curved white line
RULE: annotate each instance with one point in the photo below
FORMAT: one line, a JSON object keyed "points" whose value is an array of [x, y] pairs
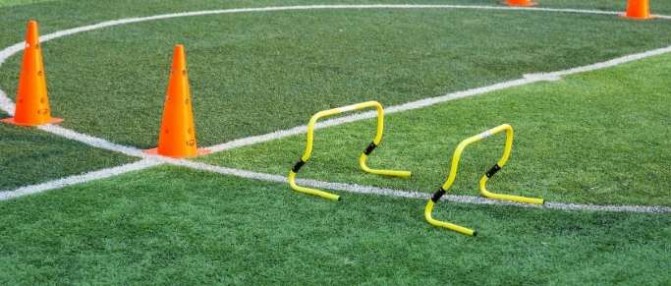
{"points": [[16, 48], [7, 105]]}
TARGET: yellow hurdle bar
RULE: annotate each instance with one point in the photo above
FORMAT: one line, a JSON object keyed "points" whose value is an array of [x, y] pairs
{"points": [[362, 159], [456, 157]]}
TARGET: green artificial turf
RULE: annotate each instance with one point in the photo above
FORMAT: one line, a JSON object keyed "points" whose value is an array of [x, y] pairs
{"points": [[14, 13], [259, 72], [594, 138], [30, 156], [8, 3], [175, 226], [242, 65], [600, 137]]}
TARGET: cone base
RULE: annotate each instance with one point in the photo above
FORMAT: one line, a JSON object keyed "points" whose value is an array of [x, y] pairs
{"points": [[199, 152], [528, 4], [649, 17], [12, 121]]}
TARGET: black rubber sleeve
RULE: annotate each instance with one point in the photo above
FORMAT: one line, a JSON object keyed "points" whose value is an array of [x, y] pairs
{"points": [[493, 171], [437, 195], [370, 149], [298, 165]]}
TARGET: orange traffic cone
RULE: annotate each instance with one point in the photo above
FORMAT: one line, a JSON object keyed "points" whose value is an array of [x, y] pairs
{"points": [[521, 3], [32, 103], [177, 137], [638, 10]]}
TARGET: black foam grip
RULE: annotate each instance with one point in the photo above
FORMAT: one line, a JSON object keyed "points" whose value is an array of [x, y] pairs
{"points": [[370, 149], [298, 165], [437, 195], [493, 171]]}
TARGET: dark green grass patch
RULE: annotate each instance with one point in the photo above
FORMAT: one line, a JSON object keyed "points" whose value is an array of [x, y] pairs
{"points": [[30, 156], [256, 73], [175, 226], [600, 137]]}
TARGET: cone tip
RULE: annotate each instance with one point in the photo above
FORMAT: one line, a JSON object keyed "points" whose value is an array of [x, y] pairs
{"points": [[32, 34], [179, 59]]}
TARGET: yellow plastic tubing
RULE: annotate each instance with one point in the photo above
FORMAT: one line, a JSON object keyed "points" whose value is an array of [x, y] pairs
{"points": [[362, 159], [483, 181]]}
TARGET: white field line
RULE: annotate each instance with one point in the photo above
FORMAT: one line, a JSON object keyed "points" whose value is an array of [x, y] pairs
{"points": [[7, 105], [78, 179], [9, 51], [94, 141], [351, 188], [16, 48], [422, 103], [370, 190]]}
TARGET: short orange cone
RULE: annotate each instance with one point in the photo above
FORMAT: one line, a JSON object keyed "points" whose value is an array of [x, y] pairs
{"points": [[32, 103], [177, 137], [521, 3], [638, 10]]}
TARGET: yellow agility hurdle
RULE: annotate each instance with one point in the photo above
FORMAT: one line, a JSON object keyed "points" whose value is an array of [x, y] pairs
{"points": [[483, 181], [362, 159]]}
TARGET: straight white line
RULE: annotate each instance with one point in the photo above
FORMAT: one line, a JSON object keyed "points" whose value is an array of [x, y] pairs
{"points": [[611, 63], [367, 115], [78, 179], [422, 103], [608, 208], [94, 141], [370, 190]]}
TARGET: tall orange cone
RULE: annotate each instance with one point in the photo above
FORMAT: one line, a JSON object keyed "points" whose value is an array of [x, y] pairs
{"points": [[32, 103], [521, 3], [177, 137], [638, 10]]}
